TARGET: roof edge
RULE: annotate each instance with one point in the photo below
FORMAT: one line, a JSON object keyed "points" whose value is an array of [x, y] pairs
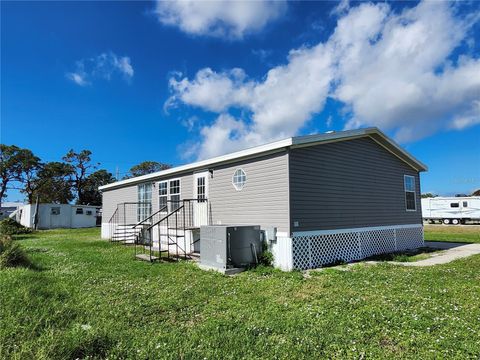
{"points": [[257, 150], [307, 140]]}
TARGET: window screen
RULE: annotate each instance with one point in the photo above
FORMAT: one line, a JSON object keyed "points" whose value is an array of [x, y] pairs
{"points": [[174, 194], [79, 211], [162, 194], [144, 208], [410, 197], [201, 189]]}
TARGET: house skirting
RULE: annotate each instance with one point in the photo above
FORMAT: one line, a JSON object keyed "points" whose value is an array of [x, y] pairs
{"points": [[313, 249]]}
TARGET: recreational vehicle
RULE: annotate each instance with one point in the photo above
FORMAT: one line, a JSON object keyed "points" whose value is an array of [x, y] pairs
{"points": [[451, 210]]}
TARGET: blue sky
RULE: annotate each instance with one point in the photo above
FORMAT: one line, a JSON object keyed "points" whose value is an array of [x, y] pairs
{"points": [[135, 81]]}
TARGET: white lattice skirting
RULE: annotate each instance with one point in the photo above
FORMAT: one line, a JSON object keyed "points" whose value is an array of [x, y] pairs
{"points": [[312, 249]]}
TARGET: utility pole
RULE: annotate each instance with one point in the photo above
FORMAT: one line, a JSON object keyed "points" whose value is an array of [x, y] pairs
{"points": [[117, 173], [35, 216]]}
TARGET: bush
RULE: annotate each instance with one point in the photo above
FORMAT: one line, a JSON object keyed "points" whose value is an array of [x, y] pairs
{"points": [[266, 258], [11, 254], [11, 227]]}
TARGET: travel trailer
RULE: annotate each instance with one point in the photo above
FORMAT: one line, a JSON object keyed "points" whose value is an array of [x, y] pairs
{"points": [[451, 210]]}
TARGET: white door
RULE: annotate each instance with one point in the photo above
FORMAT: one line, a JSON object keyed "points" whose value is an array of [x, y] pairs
{"points": [[200, 194]]}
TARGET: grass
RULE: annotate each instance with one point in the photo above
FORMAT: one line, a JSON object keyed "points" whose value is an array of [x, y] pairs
{"points": [[89, 298], [406, 256], [453, 233]]}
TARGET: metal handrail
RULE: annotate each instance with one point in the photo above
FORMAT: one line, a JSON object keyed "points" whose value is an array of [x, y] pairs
{"points": [[166, 217], [181, 217], [135, 202], [148, 218], [114, 213]]}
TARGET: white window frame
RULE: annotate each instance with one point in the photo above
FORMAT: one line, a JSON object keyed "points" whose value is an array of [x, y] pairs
{"points": [[144, 210], [169, 192], [203, 196], [164, 195], [233, 178], [179, 192], [414, 192]]}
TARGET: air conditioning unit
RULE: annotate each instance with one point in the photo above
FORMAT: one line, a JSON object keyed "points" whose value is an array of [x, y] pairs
{"points": [[229, 248]]}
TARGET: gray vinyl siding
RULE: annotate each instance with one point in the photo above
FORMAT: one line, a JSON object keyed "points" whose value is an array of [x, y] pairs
{"points": [[130, 194], [262, 201], [111, 198], [349, 184]]}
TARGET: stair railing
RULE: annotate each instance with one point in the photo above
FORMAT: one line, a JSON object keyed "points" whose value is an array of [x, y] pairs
{"points": [[140, 237], [181, 217], [112, 223], [125, 214]]}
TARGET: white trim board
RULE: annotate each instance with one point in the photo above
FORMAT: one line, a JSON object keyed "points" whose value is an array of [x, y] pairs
{"points": [[340, 231]]}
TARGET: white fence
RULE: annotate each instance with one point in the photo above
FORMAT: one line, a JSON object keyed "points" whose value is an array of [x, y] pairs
{"points": [[312, 249]]}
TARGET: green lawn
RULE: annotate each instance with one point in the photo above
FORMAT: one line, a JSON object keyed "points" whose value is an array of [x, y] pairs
{"points": [[89, 298], [453, 233]]}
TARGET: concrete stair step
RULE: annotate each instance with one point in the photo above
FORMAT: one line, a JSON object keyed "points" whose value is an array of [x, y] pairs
{"points": [[146, 257]]}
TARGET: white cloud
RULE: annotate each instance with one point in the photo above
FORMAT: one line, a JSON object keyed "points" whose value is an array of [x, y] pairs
{"points": [[391, 70], [221, 18], [103, 66], [395, 72], [78, 78], [341, 8], [280, 104], [213, 91], [190, 123]]}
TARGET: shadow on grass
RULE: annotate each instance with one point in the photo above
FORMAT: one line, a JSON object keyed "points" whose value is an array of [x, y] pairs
{"points": [[439, 244], [402, 256], [23, 236]]}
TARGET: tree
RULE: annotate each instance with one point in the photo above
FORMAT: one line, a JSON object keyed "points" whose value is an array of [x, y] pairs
{"points": [[428, 195], [476, 193], [146, 167], [10, 166], [91, 194], [30, 165], [52, 183], [80, 163]]}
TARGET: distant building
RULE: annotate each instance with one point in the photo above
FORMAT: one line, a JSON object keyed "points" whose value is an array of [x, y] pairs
{"points": [[52, 216], [8, 208]]}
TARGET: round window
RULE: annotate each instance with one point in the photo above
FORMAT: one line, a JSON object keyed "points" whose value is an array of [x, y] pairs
{"points": [[239, 179]]}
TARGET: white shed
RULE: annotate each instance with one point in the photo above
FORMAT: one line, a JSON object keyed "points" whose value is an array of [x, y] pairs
{"points": [[51, 216]]}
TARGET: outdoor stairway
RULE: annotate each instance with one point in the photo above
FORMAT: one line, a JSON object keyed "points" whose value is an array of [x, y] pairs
{"points": [[172, 243], [126, 233], [164, 234]]}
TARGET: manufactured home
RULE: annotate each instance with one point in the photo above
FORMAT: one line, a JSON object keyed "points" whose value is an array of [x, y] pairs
{"points": [[319, 199], [52, 216], [451, 210], [8, 208]]}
